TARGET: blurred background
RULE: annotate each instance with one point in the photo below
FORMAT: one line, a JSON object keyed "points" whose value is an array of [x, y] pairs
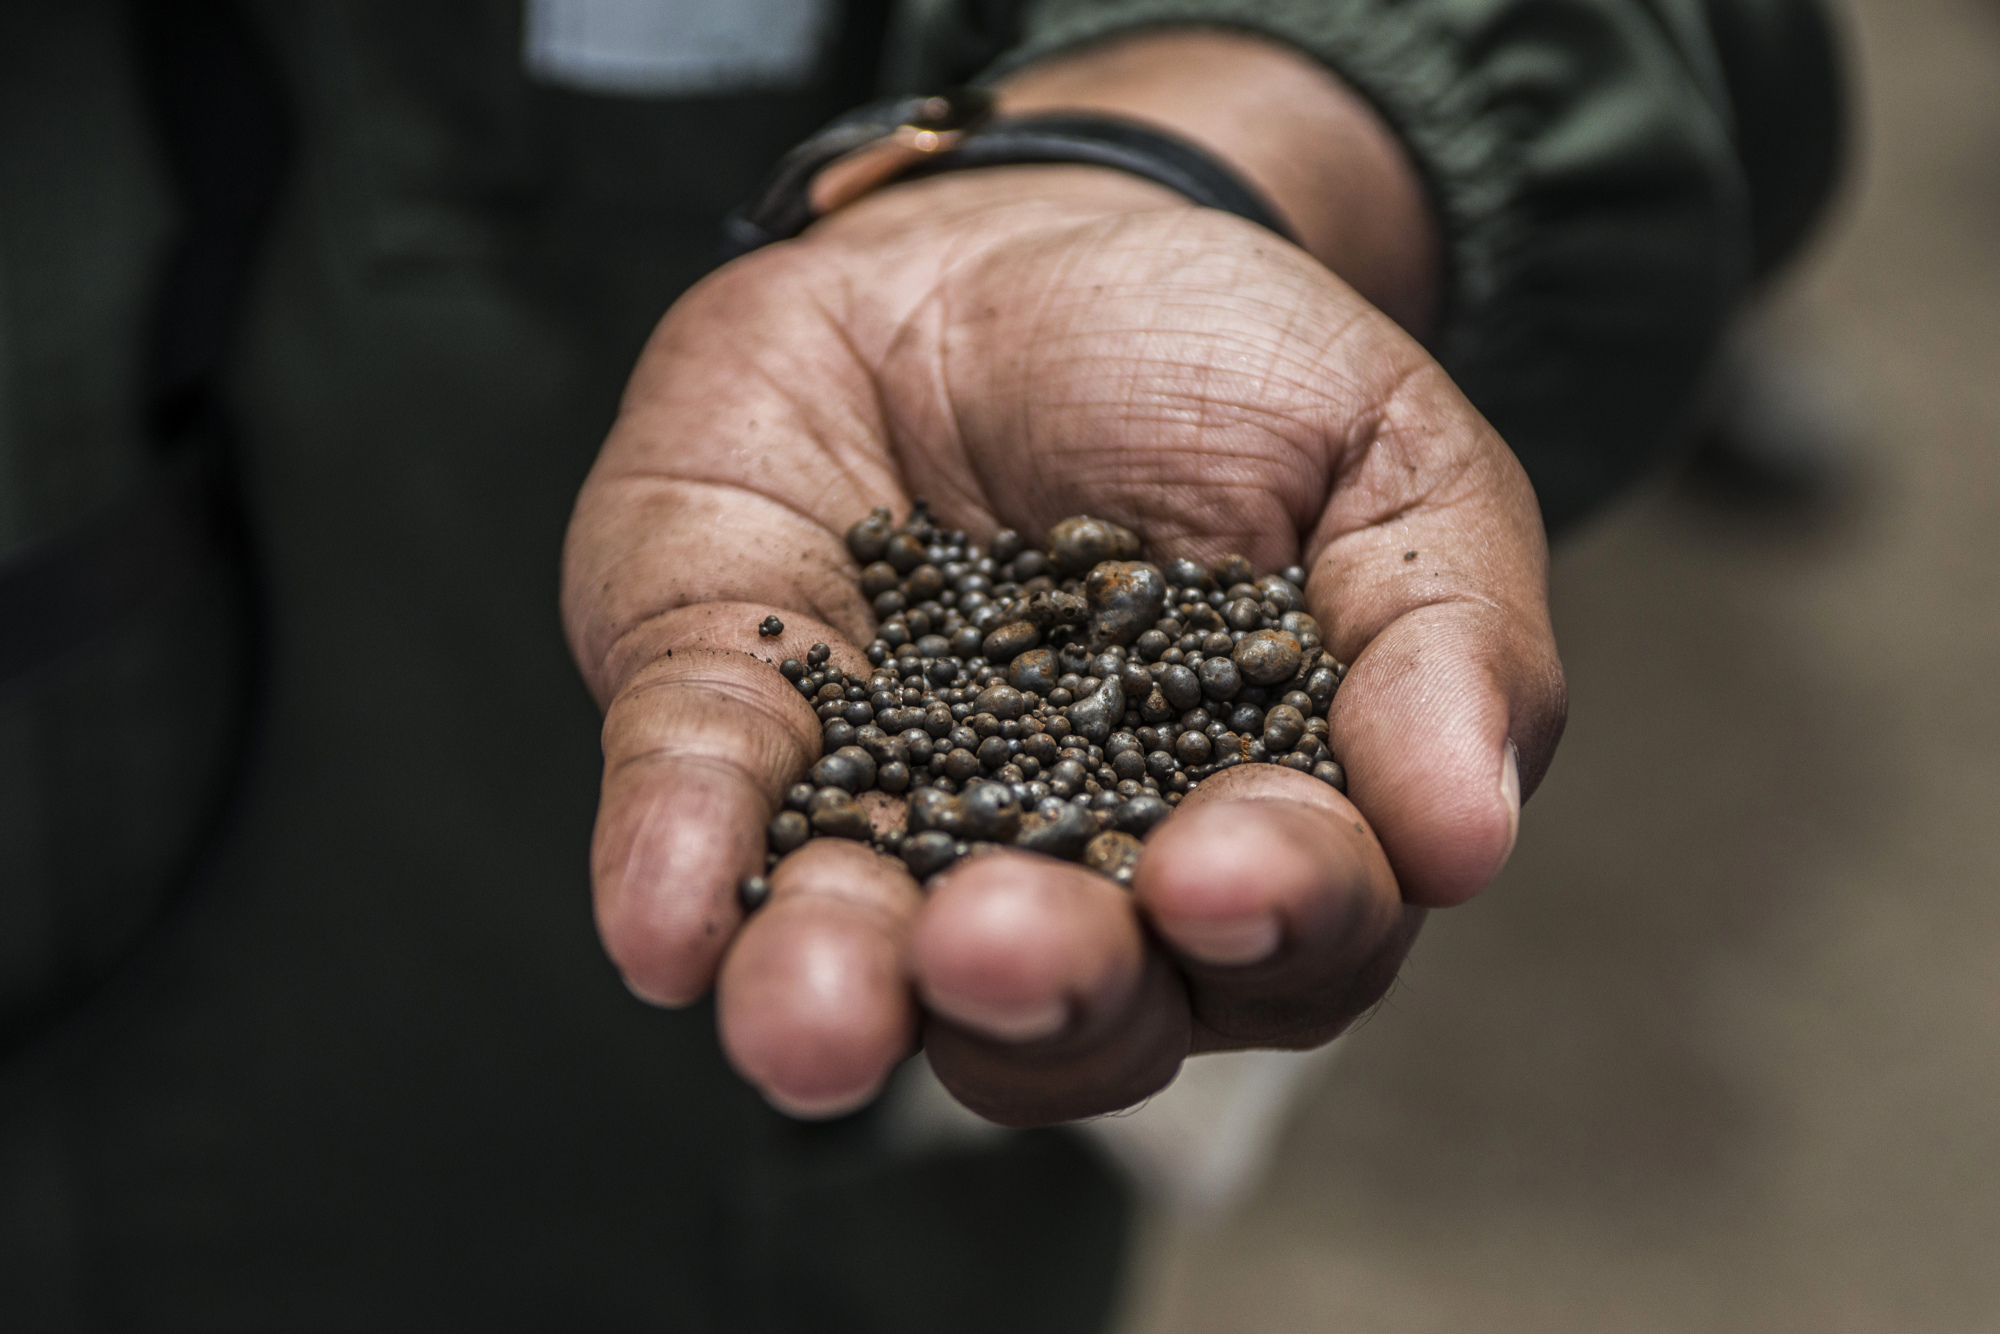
{"points": [[1721, 1050]]}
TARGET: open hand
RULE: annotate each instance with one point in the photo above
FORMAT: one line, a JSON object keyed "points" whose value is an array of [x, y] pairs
{"points": [[1017, 346]]}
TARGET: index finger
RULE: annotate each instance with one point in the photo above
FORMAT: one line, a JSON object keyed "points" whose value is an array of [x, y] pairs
{"points": [[698, 745]]}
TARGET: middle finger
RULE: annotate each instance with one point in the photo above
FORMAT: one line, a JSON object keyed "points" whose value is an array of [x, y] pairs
{"points": [[1278, 904], [1047, 1003]]}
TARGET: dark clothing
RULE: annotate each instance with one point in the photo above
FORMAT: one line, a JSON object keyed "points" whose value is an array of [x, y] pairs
{"points": [[353, 1058]]}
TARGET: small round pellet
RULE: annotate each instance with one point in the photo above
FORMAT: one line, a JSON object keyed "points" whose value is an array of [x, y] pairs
{"points": [[929, 852], [1220, 679], [788, 832], [1137, 815], [1283, 726], [1062, 699], [905, 552], [1266, 657]]}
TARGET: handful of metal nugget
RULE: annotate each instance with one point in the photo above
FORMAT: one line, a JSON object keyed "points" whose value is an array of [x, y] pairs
{"points": [[1062, 700]]}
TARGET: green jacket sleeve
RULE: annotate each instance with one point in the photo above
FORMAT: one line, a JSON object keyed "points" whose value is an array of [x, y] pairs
{"points": [[1611, 176]]}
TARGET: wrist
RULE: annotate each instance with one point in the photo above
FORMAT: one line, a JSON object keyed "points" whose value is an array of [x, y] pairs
{"points": [[957, 209]]}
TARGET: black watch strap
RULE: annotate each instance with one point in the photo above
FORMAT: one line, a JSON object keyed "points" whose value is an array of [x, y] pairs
{"points": [[908, 138], [1101, 141]]}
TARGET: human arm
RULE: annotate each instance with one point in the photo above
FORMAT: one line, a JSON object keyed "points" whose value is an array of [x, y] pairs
{"points": [[1610, 180], [955, 338], [1016, 345]]}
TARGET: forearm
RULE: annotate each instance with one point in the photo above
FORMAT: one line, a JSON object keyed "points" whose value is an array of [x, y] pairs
{"points": [[1306, 141]]}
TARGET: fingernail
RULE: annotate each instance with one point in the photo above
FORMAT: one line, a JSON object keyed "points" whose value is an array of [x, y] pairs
{"points": [[662, 1002], [1224, 941], [1510, 792], [823, 1108], [1009, 1023]]}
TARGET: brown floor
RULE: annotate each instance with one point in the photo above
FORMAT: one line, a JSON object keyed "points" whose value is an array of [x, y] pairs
{"points": [[1722, 1049]]}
